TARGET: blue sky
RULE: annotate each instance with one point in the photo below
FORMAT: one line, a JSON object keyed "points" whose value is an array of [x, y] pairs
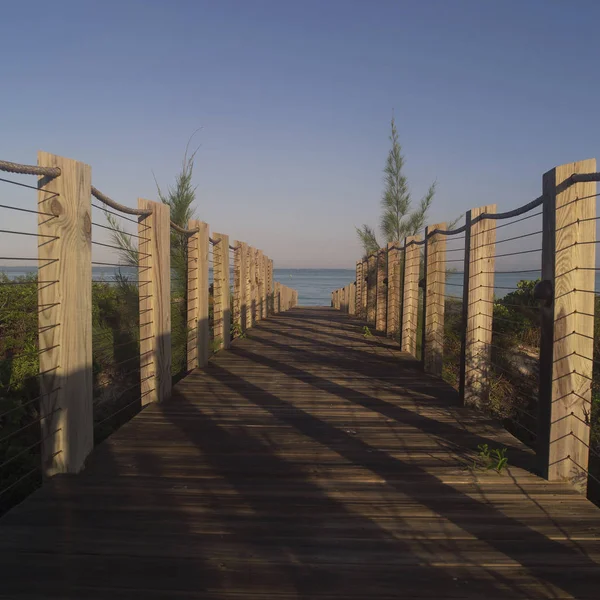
{"points": [[294, 101]]}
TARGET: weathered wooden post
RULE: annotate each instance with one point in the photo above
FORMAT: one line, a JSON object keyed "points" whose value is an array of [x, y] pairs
{"points": [[393, 298], [277, 298], [435, 285], [359, 288], [251, 286], [410, 288], [259, 264], [221, 295], [381, 310], [365, 288], [371, 289], [265, 284], [240, 278], [270, 289], [197, 296], [567, 322], [65, 314], [352, 300], [478, 305]]}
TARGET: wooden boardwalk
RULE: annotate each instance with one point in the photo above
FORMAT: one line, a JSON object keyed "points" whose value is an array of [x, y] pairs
{"points": [[306, 462]]}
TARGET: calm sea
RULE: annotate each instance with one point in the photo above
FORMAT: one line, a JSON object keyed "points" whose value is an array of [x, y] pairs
{"points": [[315, 285]]}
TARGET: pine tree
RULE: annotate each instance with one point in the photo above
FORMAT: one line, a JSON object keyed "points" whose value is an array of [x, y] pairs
{"points": [[397, 221]]}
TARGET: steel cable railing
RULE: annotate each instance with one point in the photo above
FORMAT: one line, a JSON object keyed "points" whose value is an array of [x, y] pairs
{"points": [[23, 429], [116, 291]]}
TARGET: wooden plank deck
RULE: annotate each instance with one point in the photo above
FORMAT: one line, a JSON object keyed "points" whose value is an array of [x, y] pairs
{"points": [[306, 462]]}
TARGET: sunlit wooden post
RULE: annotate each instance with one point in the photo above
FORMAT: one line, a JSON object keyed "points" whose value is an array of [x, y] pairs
{"points": [[433, 348], [478, 302], [381, 283], [393, 295], [277, 298], [371, 289], [410, 288], [197, 296], [359, 288], [221, 295], [259, 264], [65, 314], [251, 290], [155, 301], [567, 344], [352, 300]]}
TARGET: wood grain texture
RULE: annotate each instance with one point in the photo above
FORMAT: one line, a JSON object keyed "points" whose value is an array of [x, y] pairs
{"points": [[276, 297], [155, 302], [251, 286], [365, 288], [480, 307], [65, 315], [352, 300], [381, 310], [410, 300], [197, 296], [239, 285], [359, 289], [259, 285], [270, 289], [435, 289], [575, 261], [393, 297], [222, 296], [371, 289], [305, 462]]}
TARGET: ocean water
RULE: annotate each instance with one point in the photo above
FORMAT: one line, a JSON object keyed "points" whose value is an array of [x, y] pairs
{"points": [[315, 285]]}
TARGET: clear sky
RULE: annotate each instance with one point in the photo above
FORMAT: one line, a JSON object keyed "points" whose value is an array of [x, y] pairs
{"points": [[294, 100]]}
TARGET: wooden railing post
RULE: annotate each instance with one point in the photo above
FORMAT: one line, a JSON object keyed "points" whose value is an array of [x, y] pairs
{"points": [[277, 298], [381, 311], [365, 289], [352, 300], [221, 294], [270, 300], [240, 279], [359, 288], [155, 301], [567, 325], [435, 284], [393, 297], [197, 296], [65, 315], [267, 287], [410, 288], [251, 286], [371, 289], [259, 264], [479, 299]]}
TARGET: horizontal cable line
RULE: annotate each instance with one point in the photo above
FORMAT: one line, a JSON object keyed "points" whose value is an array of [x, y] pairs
{"points": [[504, 272], [14, 457], [28, 403], [142, 212], [114, 280], [114, 213], [118, 231], [584, 470], [454, 250], [28, 210], [507, 254], [453, 260], [26, 282], [107, 264], [34, 422], [128, 405], [518, 237], [12, 485], [577, 200], [41, 235], [31, 187], [519, 424], [117, 248]]}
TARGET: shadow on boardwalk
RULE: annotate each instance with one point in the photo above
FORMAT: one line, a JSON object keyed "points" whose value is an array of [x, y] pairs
{"points": [[307, 462]]}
